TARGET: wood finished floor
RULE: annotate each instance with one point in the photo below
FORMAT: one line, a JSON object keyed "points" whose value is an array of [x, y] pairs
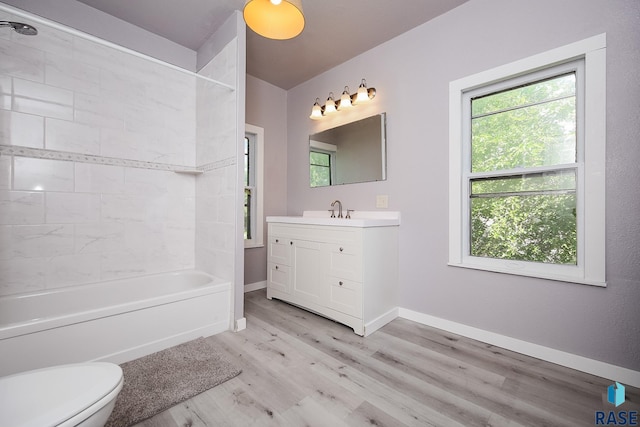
{"points": [[300, 369]]}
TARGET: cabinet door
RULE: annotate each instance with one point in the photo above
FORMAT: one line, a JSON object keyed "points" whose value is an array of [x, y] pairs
{"points": [[279, 250], [345, 296], [309, 268], [279, 278], [345, 261]]}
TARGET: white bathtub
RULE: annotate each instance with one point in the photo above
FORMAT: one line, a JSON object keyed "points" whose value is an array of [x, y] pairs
{"points": [[112, 321]]}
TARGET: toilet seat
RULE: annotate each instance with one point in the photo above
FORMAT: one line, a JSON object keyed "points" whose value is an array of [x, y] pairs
{"points": [[58, 396]]}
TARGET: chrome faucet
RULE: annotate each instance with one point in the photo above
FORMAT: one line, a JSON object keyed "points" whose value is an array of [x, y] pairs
{"points": [[339, 207]]}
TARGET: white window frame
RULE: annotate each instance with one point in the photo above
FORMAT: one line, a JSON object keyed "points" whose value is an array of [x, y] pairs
{"points": [[257, 193], [331, 150], [590, 268]]}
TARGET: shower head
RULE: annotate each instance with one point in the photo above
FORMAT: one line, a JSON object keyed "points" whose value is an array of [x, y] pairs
{"points": [[20, 28]]}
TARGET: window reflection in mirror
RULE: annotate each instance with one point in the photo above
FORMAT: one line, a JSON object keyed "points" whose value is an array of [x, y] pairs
{"points": [[350, 153]]}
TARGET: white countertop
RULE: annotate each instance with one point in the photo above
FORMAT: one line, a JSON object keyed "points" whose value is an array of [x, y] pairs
{"points": [[358, 219]]}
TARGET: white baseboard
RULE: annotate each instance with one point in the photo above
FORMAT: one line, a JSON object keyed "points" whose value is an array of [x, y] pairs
{"points": [[255, 286], [380, 321], [580, 363], [241, 324]]}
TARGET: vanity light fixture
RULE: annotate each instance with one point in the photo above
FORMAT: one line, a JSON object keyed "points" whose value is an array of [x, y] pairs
{"points": [[274, 19], [345, 99], [316, 111], [330, 105], [363, 95]]}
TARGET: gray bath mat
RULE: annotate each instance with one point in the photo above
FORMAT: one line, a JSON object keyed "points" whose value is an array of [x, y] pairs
{"points": [[160, 380]]}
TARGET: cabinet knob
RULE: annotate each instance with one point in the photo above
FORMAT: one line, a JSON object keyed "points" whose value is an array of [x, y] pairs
{"points": [[291, 243], [341, 249], [276, 267], [277, 240], [340, 283]]}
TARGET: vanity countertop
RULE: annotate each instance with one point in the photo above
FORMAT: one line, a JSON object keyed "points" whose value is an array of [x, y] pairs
{"points": [[361, 219]]}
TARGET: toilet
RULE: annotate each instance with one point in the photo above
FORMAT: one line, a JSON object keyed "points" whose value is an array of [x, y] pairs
{"points": [[81, 394]]}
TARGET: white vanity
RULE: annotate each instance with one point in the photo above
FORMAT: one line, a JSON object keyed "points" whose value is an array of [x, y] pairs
{"points": [[344, 269]]}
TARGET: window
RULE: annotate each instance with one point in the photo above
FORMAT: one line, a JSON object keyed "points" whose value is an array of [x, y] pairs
{"points": [[322, 161], [320, 168], [253, 194], [527, 166], [523, 168]]}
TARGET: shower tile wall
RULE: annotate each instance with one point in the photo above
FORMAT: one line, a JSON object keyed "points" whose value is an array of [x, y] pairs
{"points": [[70, 222], [216, 143]]}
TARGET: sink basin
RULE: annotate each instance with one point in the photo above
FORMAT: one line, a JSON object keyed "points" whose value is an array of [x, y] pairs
{"points": [[358, 219]]}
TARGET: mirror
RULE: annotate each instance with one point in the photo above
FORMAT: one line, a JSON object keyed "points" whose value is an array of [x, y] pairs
{"points": [[351, 153]]}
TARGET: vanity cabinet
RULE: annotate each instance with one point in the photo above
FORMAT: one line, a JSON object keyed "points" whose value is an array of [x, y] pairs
{"points": [[348, 274]]}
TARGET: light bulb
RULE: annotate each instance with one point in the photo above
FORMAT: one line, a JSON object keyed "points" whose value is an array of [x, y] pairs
{"points": [[362, 95], [345, 99], [330, 105], [316, 111]]}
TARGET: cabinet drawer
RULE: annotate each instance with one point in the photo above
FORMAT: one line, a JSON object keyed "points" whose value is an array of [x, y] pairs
{"points": [[279, 277], [279, 251], [345, 296], [345, 261]]}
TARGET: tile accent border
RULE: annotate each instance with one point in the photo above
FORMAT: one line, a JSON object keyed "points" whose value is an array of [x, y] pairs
{"points": [[219, 164], [40, 153]]}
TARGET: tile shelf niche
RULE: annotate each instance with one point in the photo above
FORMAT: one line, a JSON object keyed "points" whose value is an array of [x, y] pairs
{"points": [[188, 171]]}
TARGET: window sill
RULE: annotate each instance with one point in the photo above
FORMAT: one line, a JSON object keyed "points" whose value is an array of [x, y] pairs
{"points": [[538, 275], [253, 245]]}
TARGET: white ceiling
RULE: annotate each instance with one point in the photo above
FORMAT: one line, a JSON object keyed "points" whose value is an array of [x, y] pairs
{"points": [[335, 30]]}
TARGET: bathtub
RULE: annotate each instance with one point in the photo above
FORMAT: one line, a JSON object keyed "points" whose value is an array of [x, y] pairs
{"points": [[113, 321]]}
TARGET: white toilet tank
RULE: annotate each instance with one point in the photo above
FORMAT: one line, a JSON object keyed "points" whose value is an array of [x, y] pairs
{"points": [[65, 395]]}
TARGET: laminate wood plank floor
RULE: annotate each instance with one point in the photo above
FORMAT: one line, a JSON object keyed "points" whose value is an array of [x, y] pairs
{"points": [[300, 369]]}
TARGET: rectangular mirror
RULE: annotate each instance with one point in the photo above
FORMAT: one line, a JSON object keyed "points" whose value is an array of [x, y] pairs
{"points": [[350, 153]]}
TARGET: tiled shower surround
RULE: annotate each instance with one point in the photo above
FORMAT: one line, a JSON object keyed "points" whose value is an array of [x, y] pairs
{"points": [[91, 138]]}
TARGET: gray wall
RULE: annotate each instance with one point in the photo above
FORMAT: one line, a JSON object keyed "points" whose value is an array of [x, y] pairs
{"points": [[266, 108], [411, 74]]}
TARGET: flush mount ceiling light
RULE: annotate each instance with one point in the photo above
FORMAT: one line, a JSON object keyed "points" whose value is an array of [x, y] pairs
{"points": [[274, 19], [362, 96]]}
